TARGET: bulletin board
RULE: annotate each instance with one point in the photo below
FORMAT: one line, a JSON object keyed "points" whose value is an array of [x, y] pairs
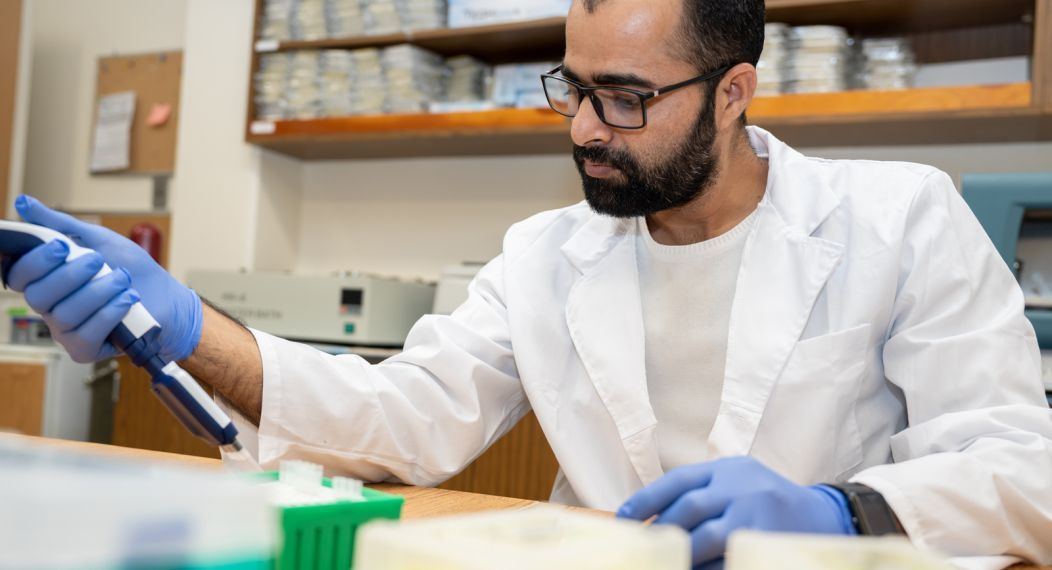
{"points": [[155, 78]]}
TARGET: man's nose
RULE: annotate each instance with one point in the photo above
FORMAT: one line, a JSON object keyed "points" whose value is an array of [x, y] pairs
{"points": [[586, 128]]}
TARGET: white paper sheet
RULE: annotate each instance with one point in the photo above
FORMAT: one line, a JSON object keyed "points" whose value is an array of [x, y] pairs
{"points": [[111, 149]]}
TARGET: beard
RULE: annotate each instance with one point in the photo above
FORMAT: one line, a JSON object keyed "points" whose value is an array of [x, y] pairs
{"points": [[642, 190]]}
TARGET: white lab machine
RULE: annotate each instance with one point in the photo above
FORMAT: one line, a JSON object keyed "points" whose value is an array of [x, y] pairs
{"points": [[453, 286], [65, 391], [352, 309]]}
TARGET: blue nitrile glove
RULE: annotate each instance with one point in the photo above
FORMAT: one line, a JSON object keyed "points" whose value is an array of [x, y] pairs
{"points": [[712, 500], [82, 313]]}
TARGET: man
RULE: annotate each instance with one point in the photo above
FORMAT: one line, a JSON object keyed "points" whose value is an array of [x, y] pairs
{"points": [[724, 327]]}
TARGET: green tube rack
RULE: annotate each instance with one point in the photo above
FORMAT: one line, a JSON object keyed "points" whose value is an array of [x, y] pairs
{"points": [[321, 537]]}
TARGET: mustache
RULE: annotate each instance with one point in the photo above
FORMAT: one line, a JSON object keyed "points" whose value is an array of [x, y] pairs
{"points": [[619, 159]]}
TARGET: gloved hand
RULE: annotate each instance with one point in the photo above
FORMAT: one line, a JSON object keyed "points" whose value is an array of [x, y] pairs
{"points": [[712, 500], [81, 311]]}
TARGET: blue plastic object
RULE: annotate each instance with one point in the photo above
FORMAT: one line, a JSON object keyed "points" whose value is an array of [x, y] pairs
{"points": [[1000, 202]]}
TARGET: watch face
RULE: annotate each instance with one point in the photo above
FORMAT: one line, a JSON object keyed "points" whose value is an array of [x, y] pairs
{"points": [[874, 516]]}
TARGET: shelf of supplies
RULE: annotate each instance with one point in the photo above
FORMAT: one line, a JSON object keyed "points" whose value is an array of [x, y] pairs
{"points": [[899, 16], [497, 132], [915, 116], [498, 43]]}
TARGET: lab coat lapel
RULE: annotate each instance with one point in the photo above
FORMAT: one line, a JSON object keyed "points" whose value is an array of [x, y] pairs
{"points": [[783, 271], [605, 319]]}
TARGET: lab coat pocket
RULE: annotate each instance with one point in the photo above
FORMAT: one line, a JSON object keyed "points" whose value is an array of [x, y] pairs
{"points": [[809, 430]]}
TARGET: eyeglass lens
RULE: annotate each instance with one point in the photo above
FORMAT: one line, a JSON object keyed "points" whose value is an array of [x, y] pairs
{"points": [[616, 108]]}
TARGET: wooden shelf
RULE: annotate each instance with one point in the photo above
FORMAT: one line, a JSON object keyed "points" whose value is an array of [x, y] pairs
{"points": [[899, 16], [973, 114], [534, 40], [950, 114]]}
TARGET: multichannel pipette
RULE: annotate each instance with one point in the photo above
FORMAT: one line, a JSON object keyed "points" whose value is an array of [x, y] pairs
{"points": [[136, 336]]}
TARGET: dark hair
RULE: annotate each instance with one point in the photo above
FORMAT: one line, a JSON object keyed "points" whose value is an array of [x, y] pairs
{"points": [[716, 33]]}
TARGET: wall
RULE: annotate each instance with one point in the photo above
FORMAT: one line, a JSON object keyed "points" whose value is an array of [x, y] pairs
{"points": [[235, 206], [68, 36], [412, 217]]}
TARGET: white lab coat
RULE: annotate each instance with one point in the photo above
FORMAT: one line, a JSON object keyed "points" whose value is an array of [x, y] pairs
{"points": [[875, 336]]}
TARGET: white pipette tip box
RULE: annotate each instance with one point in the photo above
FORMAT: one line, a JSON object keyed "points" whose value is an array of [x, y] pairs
{"points": [[538, 537]]}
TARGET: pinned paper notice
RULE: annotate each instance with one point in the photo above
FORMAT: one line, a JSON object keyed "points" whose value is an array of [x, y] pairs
{"points": [[159, 115], [111, 149]]}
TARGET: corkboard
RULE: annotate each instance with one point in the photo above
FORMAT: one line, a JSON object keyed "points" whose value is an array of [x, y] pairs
{"points": [[155, 78]]}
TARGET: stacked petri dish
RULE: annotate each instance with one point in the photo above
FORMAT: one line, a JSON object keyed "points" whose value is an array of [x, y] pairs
{"points": [[888, 63], [773, 65], [422, 14], [308, 20], [414, 78], [344, 18], [467, 79], [820, 61], [302, 96], [276, 15], [271, 80], [381, 17], [369, 92]]}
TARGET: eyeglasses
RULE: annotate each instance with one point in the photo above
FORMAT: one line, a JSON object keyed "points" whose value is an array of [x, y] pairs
{"points": [[618, 107]]}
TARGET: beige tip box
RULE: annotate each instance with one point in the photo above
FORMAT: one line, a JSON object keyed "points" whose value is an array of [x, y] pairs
{"points": [[537, 537], [749, 550]]}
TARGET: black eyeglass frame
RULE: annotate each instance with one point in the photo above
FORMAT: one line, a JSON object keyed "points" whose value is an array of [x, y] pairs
{"points": [[644, 96]]}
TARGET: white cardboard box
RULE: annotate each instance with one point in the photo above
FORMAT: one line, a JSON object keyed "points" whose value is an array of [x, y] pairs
{"points": [[465, 13]]}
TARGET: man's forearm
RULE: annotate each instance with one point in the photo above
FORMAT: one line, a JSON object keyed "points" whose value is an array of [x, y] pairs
{"points": [[228, 360]]}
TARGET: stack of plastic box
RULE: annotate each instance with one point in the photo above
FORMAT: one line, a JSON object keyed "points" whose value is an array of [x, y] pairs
{"points": [[344, 18], [820, 60], [888, 64], [774, 61], [414, 78], [519, 85]]}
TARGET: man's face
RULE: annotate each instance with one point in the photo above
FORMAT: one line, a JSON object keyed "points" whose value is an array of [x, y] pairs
{"points": [[625, 173]]}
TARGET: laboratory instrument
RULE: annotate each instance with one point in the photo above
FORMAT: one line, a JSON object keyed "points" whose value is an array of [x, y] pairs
{"points": [[352, 309], [136, 337], [1014, 210]]}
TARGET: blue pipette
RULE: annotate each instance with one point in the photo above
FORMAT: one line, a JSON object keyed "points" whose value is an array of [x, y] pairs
{"points": [[136, 336]]}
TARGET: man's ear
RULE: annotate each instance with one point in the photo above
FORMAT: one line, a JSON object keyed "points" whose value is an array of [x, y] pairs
{"points": [[734, 95]]}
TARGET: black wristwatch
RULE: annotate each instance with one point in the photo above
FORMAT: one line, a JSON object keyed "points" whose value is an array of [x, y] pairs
{"points": [[870, 513]]}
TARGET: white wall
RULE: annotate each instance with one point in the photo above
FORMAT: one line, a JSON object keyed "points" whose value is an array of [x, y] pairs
{"points": [[20, 124], [411, 217], [68, 36], [233, 205], [236, 206]]}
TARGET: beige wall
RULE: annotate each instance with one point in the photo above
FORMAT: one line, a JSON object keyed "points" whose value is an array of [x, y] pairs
{"points": [[68, 36], [411, 217], [235, 206]]}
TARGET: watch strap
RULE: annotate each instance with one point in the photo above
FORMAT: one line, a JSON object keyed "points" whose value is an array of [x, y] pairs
{"points": [[870, 512]]}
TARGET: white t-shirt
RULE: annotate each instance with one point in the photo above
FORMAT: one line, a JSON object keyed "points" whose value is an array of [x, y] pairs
{"points": [[687, 293]]}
